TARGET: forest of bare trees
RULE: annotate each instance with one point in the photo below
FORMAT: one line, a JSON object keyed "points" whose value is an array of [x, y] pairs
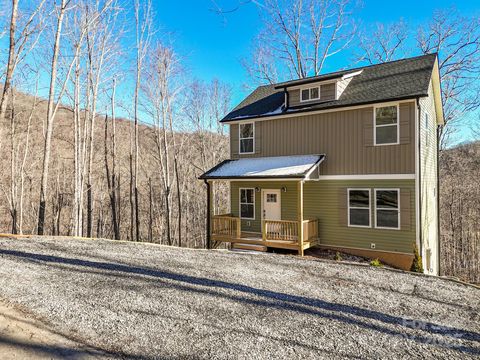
{"points": [[73, 166]]}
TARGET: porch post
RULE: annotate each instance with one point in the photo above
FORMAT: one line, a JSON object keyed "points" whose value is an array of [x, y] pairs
{"points": [[300, 216], [209, 205]]}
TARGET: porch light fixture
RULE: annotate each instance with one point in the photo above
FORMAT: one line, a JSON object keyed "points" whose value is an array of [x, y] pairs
{"points": [[284, 188], [257, 189]]}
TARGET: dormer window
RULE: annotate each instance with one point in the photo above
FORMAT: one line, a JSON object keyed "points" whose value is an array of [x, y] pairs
{"points": [[309, 94]]}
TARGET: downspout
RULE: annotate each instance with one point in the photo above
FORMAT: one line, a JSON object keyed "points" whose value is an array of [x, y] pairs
{"points": [[438, 198], [420, 232], [287, 99], [209, 245]]}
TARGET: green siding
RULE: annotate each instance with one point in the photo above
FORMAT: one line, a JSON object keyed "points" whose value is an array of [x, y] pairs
{"points": [[288, 201], [322, 202]]}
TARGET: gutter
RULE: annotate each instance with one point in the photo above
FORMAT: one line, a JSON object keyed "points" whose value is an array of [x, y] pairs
{"points": [[299, 110], [287, 99]]}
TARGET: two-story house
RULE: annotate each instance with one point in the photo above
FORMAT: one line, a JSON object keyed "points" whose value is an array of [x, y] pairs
{"points": [[346, 161]]}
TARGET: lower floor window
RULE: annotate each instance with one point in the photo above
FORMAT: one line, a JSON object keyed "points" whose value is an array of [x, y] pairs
{"points": [[247, 203], [359, 207], [387, 209]]}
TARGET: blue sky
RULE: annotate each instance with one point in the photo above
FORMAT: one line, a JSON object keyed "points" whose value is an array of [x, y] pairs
{"points": [[212, 44]]}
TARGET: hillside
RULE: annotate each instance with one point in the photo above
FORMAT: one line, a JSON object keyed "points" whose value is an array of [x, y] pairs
{"points": [[198, 150], [460, 211], [142, 301]]}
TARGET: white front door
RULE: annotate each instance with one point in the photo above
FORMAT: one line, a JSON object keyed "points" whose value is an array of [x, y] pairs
{"points": [[271, 205]]}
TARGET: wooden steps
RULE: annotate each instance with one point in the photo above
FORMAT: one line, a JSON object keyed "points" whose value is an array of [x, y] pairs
{"points": [[249, 247]]}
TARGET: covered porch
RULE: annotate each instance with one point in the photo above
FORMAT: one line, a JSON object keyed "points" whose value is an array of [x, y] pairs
{"points": [[266, 203], [282, 234]]}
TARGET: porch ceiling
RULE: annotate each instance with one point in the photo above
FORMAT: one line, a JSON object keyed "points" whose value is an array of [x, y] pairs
{"points": [[301, 167]]}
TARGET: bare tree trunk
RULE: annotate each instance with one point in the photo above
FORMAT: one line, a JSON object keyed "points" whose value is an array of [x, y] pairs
{"points": [[111, 179], [13, 182], [49, 129], [150, 212], [10, 63], [179, 201]]}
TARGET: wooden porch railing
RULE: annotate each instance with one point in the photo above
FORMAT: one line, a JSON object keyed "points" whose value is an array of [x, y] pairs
{"points": [[226, 225], [229, 226], [280, 230], [310, 230]]}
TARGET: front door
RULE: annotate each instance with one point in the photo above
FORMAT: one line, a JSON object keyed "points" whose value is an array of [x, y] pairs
{"points": [[271, 205]]}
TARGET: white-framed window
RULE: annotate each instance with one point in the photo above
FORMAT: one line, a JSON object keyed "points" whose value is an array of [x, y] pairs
{"points": [[246, 136], [386, 127], [359, 213], [426, 130], [387, 209], [247, 203], [308, 94]]}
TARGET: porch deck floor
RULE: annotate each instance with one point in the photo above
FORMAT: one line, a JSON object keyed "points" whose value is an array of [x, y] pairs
{"points": [[256, 239]]}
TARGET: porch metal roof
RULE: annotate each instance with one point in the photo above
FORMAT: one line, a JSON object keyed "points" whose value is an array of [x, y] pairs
{"points": [[295, 167]]}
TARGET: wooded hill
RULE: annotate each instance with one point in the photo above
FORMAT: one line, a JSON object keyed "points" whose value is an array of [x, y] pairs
{"points": [[460, 211], [22, 149]]}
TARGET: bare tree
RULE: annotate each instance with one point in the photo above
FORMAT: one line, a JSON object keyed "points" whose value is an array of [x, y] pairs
{"points": [[50, 115], [143, 19], [384, 43], [161, 89], [457, 40], [299, 37], [20, 44]]}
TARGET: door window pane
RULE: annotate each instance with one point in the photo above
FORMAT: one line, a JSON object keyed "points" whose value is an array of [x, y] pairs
{"points": [[272, 198]]}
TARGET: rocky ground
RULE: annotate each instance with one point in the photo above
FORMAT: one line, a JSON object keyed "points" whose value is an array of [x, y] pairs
{"points": [[131, 300]]}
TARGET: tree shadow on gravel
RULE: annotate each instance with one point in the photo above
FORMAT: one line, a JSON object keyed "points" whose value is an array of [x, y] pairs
{"points": [[283, 301]]}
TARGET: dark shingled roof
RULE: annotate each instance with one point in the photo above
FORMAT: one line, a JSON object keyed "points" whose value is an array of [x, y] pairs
{"points": [[395, 80]]}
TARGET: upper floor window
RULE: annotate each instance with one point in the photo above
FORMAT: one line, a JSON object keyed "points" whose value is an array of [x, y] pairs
{"points": [[247, 138], [359, 207], [387, 209], [312, 93], [386, 125]]}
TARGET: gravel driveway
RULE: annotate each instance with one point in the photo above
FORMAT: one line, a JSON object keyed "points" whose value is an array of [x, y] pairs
{"points": [[145, 301]]}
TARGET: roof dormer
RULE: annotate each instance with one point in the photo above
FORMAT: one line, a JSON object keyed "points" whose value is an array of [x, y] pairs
{"points": [[317, 89]]}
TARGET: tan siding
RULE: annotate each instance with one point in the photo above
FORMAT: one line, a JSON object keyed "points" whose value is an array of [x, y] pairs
{"points": [[428, 170], [326, 201], [343, 136], [327, 92]]}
